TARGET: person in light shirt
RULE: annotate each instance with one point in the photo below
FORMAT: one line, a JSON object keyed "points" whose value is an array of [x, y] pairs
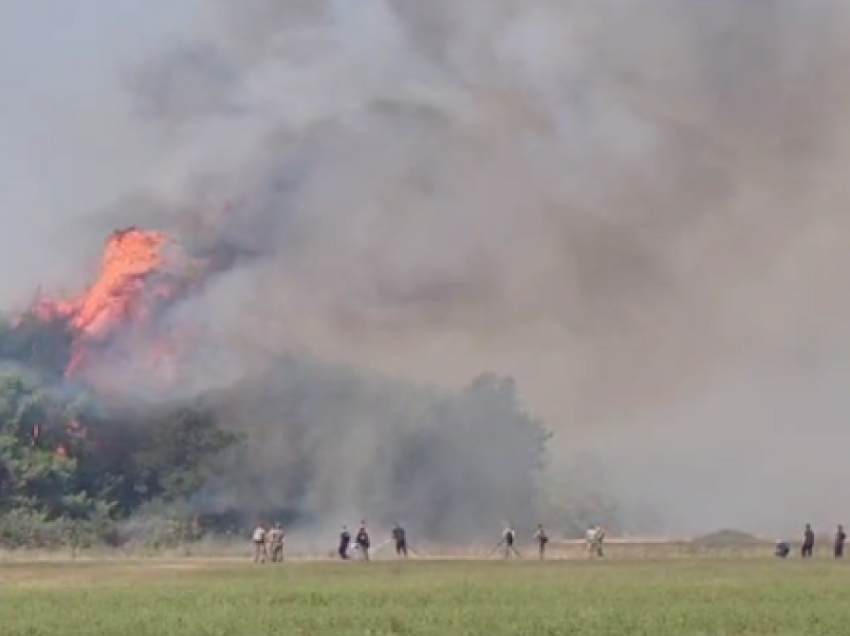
{"points": [[599, 540], [595, 537], [589, 537], [258, 538]]}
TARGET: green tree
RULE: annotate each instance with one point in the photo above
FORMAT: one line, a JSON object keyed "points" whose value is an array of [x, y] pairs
{"points": [[34, 425], [178, 453]]}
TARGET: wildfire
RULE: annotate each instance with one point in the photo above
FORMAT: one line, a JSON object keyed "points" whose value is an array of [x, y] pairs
{"points": [[131, 257], [133, 284], [120, 325]]}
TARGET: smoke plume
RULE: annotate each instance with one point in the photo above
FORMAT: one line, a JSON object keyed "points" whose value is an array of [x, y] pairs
{"points": [[636, 209]]}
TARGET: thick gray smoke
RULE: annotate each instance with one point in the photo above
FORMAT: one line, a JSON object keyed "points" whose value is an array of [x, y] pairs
{"points": [[635, 208], [329, 446]]}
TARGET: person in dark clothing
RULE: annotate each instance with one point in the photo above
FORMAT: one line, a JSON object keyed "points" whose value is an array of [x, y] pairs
{"points": [[840, 538], [363, 542], [542, 539], [400, 539], [782, 550], [808, 547], [344, 543], [509, 538]]}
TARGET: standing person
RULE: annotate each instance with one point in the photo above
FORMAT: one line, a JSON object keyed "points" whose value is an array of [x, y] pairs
{"points": [[509, 539], [590, 539], [362, 541], [599, 540], [808, 547], [259, 541], [400, 539], [840, 538], [276, 538], [542, 540], [344, 543]]}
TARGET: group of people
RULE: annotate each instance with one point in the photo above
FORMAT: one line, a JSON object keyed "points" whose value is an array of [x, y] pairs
{"points": [[595, 539], [268, 543], [807, 547], [363, 543]]}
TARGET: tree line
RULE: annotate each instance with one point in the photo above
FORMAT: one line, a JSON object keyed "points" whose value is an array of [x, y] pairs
{"points": [[305, 440], [71, 461]]}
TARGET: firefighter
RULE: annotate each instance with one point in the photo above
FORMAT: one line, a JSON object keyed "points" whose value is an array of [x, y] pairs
{"points": [[363, 542], [344, 543], [400, 539], [276, 538], [259, 541], [840, 538], [808, 547], [542, 539], [509, 539], [590, 539], [599, 540]]}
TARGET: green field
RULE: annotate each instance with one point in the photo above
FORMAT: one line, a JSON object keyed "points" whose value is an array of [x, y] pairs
{"points": [[655, 598]]}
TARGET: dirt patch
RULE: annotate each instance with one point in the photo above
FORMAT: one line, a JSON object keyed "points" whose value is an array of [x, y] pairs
{"points": [[728, 537]]}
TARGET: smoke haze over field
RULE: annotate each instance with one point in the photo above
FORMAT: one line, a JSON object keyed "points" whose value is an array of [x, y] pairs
{"points": [[636, 209]]}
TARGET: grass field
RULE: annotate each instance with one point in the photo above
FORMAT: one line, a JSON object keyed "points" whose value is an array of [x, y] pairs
{"points": [[452, 598]]}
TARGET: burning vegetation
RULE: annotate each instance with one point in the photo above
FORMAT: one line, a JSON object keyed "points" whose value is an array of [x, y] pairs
{"points": [[121, 313], [77, 441], [75, 446]]}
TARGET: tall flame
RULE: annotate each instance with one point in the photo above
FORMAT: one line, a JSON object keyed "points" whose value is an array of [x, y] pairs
{"points": [[132, 285], [131, 257]]}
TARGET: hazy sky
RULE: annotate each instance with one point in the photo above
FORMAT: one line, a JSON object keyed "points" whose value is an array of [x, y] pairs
{"points": [[61, 103], [669, 180]]}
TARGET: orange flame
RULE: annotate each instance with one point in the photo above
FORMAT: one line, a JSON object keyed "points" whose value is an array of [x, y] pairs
{"points": [[131, 286], [125, 294], [131, 256], [62, 448]]}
